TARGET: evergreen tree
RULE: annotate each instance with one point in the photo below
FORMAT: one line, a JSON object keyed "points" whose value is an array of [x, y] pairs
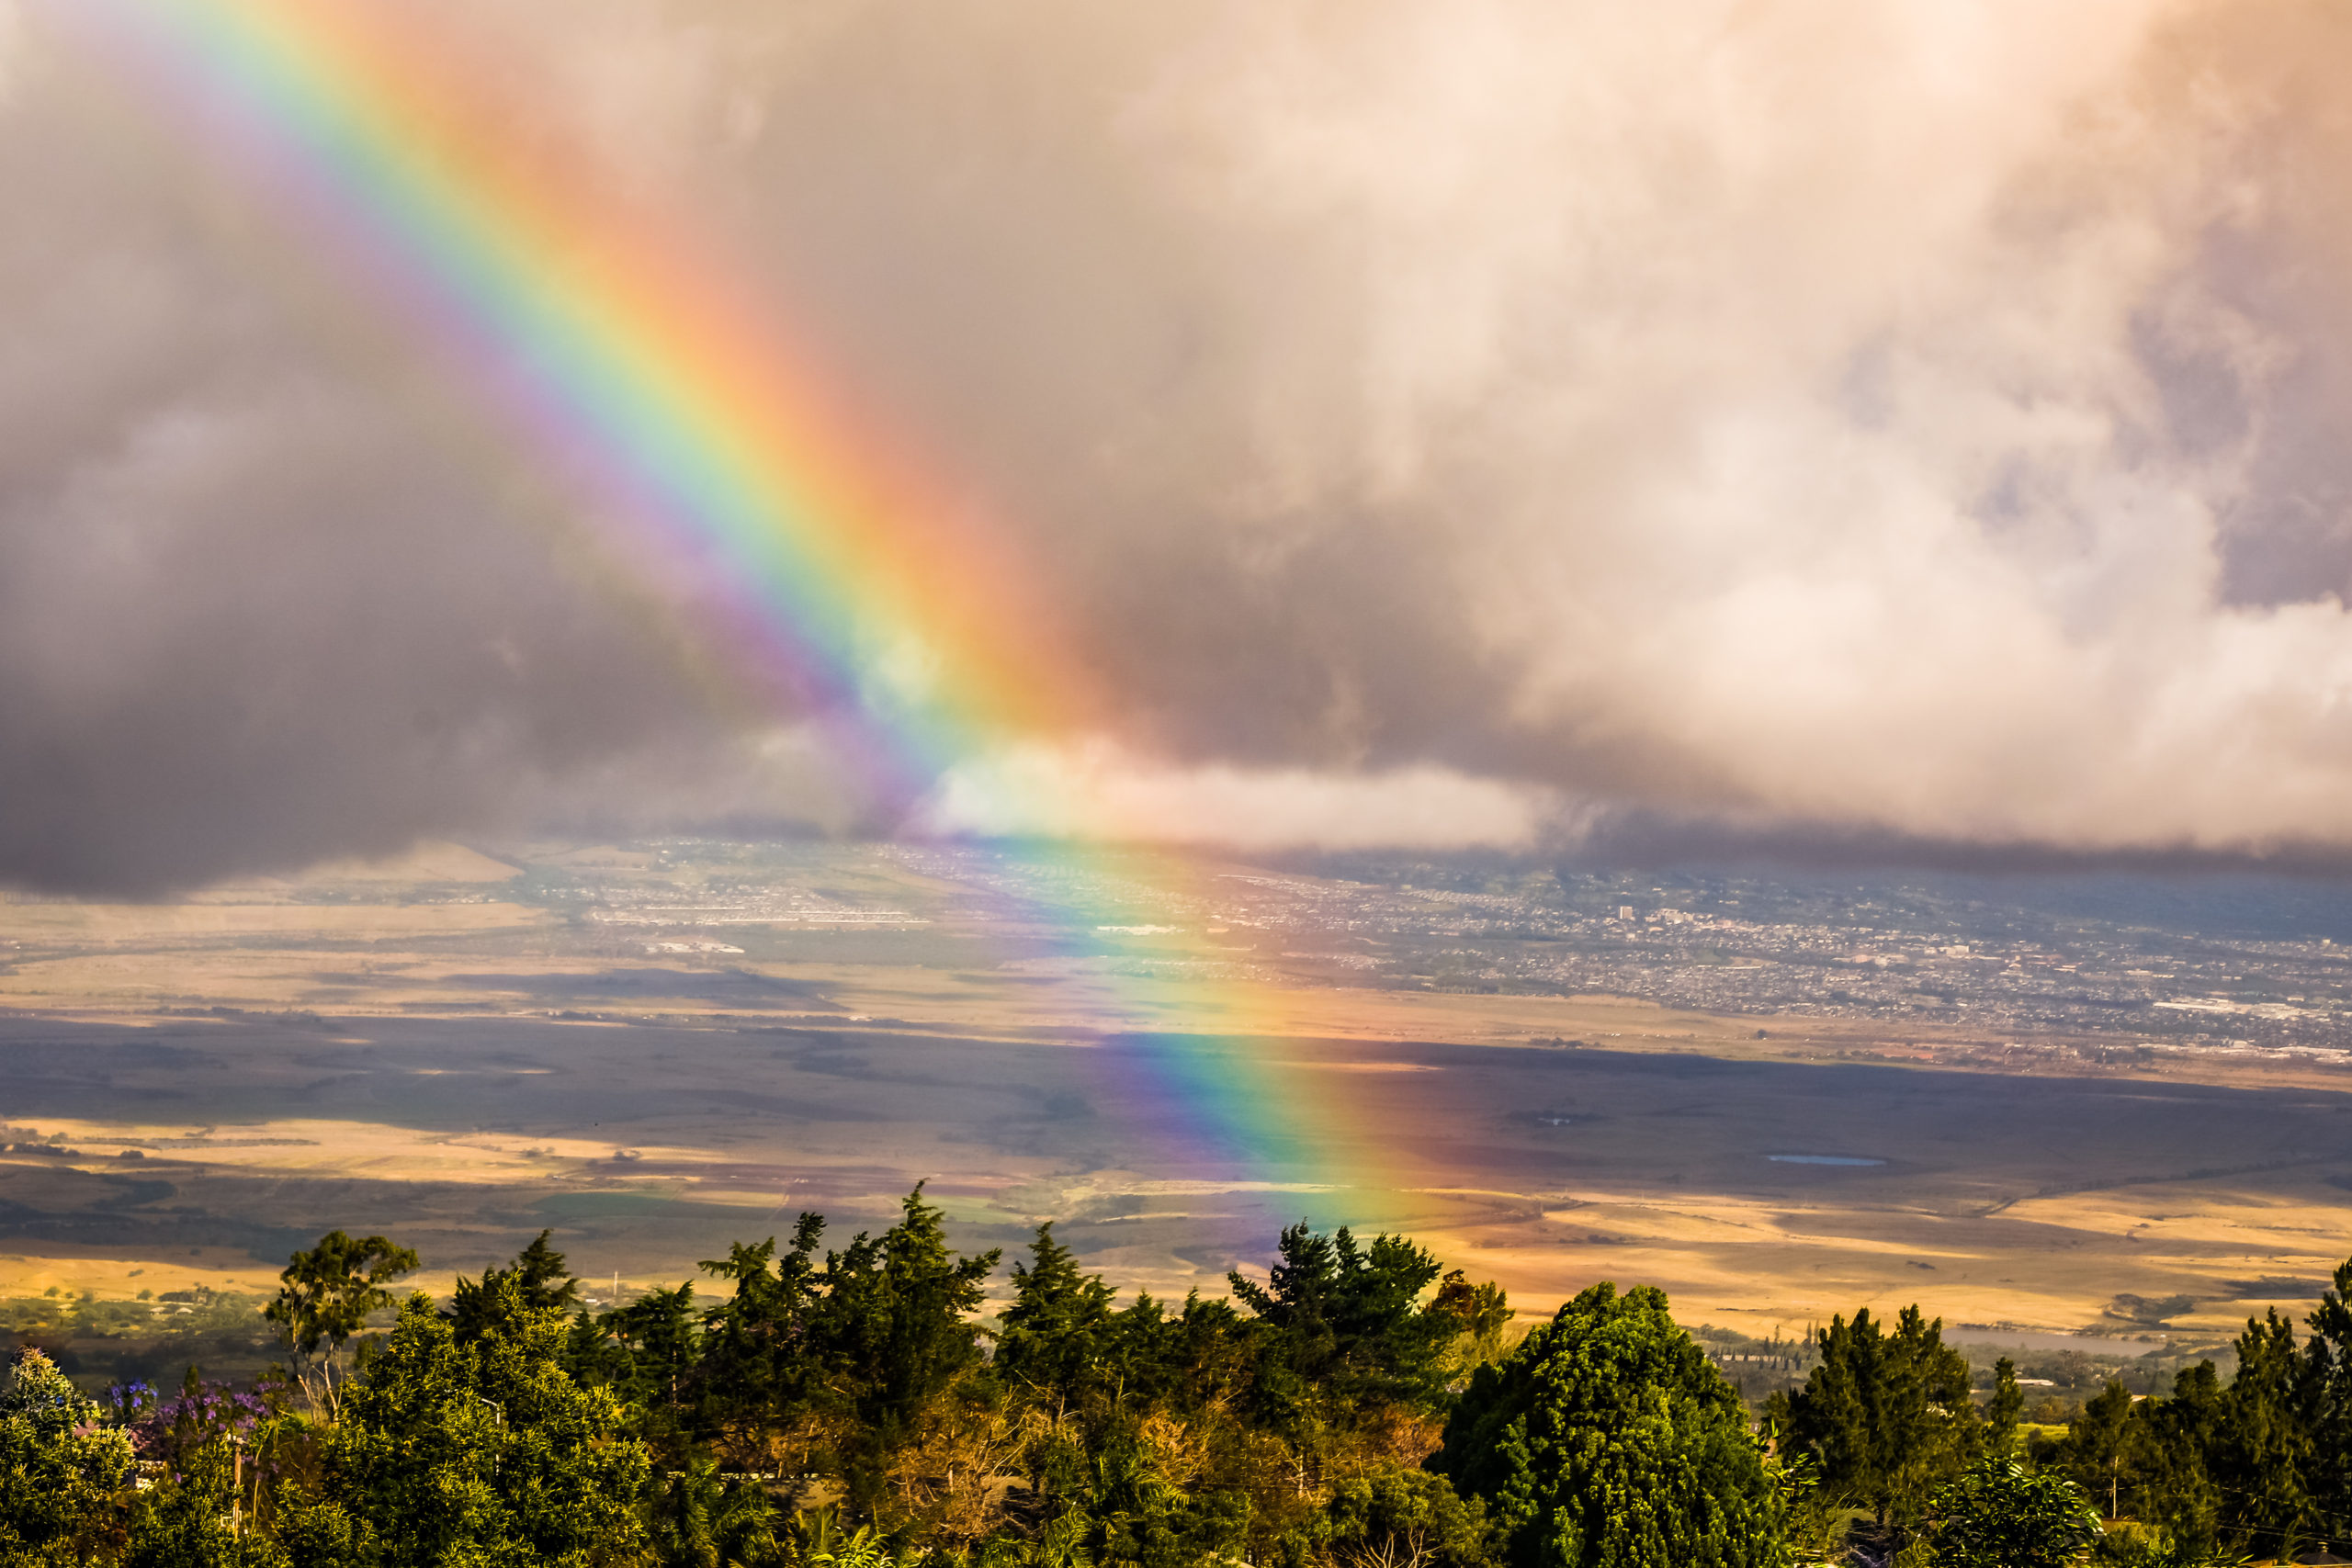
{"points": [[1347, 1317], [758, 1368], [1608, 1439], [894, 1332], [2001, 1412], [1053, 1334], [661, 1337], [2178, 1437], [539, 1272], [1887, 1416], [2100, 1447], [2329, 1397], [2265, 1461]]}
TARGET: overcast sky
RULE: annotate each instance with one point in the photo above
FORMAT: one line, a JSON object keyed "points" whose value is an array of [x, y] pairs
{"points": [[1496, 422]]}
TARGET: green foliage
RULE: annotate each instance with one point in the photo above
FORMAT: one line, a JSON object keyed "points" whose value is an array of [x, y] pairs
{"points": [[702, 1519], [58, 1470], [2170, 1465], [486, 1452], [2267, 1456], [1348, 1319], [539, 1276], [1054, 1336], [194, 1517], [1479, 1315], [896, 1315], [863, 1548], [324, 1297], [1887, 1414], [2000, 1515], [758, 1351], [2098, 1444], [1396, 1518], [2001, 1412], [1608, 1439]]}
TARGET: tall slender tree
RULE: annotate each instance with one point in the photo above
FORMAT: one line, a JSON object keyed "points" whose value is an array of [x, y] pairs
{"points": [[324, 1297]]}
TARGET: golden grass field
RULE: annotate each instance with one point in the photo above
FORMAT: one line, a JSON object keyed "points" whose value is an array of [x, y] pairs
{"points": [[437, 1050]]}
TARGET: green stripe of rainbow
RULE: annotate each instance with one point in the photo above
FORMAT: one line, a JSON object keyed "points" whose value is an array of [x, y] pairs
{"points": [[714, 456]]}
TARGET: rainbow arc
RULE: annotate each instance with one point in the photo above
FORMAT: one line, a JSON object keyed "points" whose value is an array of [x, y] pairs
{"points": [[711, 455]]}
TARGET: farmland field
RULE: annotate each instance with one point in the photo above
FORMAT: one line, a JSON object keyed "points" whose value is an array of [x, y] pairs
{"points": [[448, 1054]]}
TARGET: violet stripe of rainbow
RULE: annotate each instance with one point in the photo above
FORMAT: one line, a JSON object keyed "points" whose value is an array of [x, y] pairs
{"points": [[632, 365], [621, 362]]}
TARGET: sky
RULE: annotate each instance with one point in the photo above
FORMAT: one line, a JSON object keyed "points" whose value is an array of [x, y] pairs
{"points": [[1514, 423]]}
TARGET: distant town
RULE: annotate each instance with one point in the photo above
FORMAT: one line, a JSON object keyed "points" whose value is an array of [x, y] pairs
{"points": [[2208, 965]]}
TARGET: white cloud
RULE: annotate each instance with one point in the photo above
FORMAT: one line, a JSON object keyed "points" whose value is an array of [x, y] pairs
{"points": [[1099, 792], [1918, 420]]}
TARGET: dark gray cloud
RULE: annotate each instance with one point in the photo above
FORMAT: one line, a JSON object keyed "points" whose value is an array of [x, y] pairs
{"points": [[1805, 420]]}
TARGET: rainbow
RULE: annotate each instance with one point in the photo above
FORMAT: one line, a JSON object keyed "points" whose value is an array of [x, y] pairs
{"points": [[714, 456]]}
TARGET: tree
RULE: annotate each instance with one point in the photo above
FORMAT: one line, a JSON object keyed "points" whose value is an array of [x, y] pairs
{"points": [[2328, 1394], [2179, 1435], [1407, 1519], [1888, 1415], [663, 1341], [757, 1367], [2001, 1412], [324, 1298], [702, 1520], [537, 1269], [485, 1453], [1481, 1314], [59, 1470], [1608, 1439], [2000, 1515], [2099, 1446], [1347, 1316], [193, 1517], [893, 1331], [1051, 1338], [2267, 1456]]}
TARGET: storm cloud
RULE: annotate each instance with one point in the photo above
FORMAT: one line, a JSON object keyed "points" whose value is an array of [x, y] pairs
{"points": [[1481, 423]]}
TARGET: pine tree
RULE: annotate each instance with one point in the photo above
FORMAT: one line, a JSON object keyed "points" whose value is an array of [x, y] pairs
{"points": [[546, 1286], [757, 1367], [894, 1332], [2265, 1460], [2001, 1412], [2099, 1448], [1347, 1317], [1887, 1414], [2179, 1436], [1052, 1336]]}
